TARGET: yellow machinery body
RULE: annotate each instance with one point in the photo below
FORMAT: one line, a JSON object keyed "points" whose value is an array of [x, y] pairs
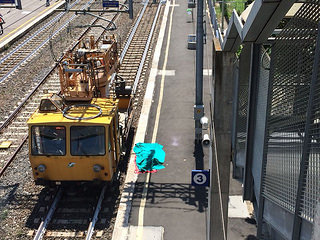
{"points": [[84, 146], [75, 136]]}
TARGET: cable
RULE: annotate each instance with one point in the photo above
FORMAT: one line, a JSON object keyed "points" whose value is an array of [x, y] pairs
{"points": [[65, 111], [265, 52]]}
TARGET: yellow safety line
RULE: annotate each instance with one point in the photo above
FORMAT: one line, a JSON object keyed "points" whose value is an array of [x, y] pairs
{"points": [[155, 131], [22, 25]]}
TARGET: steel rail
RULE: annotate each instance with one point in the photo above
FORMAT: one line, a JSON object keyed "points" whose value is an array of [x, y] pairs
{"points": [[124, 51], [42, 228], [50, 23], [13, 155], [96, 213], [130, 38], [43, 225], [42, 44], [146, 50], [18, 109]]}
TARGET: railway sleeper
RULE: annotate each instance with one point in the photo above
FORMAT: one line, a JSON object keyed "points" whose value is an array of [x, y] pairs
{"points": [[62, 221], [65, 234], [74, 210], [69, 234]]}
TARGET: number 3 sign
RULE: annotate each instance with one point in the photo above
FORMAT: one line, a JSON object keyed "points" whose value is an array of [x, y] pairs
{"points": [[200, 177]]}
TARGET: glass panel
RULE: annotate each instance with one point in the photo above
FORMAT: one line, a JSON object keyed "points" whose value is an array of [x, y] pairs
{"points": [[88, 140], [48, 140], [58, 101], [47, 105]]}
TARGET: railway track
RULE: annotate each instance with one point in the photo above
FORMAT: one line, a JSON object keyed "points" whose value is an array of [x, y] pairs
{"points": [[134, 59], [26, 50], [14, 129], [79, 215]]}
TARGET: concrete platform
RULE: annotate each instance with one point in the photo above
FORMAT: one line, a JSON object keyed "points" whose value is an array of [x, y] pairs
{"points": [[171, 201], [18, 22], [150, 233]]}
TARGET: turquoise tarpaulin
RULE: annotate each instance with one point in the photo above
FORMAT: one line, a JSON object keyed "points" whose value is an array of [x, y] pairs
{"points": [[150, 156]]}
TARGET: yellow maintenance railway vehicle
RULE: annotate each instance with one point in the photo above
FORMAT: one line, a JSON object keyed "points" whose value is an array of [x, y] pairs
{"points": [[75, 136]]}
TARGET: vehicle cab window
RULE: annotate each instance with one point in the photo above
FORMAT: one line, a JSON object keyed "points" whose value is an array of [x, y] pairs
{"points": [[47, 106], [88, 141], [48, 140]]}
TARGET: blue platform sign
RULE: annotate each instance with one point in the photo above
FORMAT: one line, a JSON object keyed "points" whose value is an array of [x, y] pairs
{"points": [[7, 1], [200, 178], [110, 3]]}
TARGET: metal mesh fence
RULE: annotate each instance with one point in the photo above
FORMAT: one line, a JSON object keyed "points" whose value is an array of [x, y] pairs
{"points": [[242, 107], [291, 70], [311, 195], [260, 115]]}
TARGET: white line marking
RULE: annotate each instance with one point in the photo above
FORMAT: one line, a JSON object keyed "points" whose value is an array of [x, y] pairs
{"points": [[207, 72], [155, 132], [122, 221], [167, 72]]}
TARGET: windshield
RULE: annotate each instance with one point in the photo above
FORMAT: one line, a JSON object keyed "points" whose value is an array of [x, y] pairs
{"points": [[87, 140], [48, 140]]}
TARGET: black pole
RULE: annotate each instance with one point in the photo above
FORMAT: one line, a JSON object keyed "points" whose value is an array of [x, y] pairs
{"points": [[131, 9], [18, 4], [199, 109]]}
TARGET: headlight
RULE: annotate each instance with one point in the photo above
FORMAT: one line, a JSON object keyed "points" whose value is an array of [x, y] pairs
{"points": [[41, 168], [97, 168]]}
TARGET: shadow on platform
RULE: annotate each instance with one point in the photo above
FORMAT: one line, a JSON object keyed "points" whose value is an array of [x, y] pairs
{"points": [[169, 192]]}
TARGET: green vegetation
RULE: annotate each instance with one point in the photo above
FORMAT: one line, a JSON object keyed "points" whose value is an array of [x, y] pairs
{"points": [[238, 5], [3, 214], [227, 8], [218, 11], [20, 233], [238, 53]]}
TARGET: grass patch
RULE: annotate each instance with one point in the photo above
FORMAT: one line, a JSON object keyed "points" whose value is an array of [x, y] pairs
{"points": [[226, 8], [238, 5], [20, 233], [3, 214], [218, 11]]}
